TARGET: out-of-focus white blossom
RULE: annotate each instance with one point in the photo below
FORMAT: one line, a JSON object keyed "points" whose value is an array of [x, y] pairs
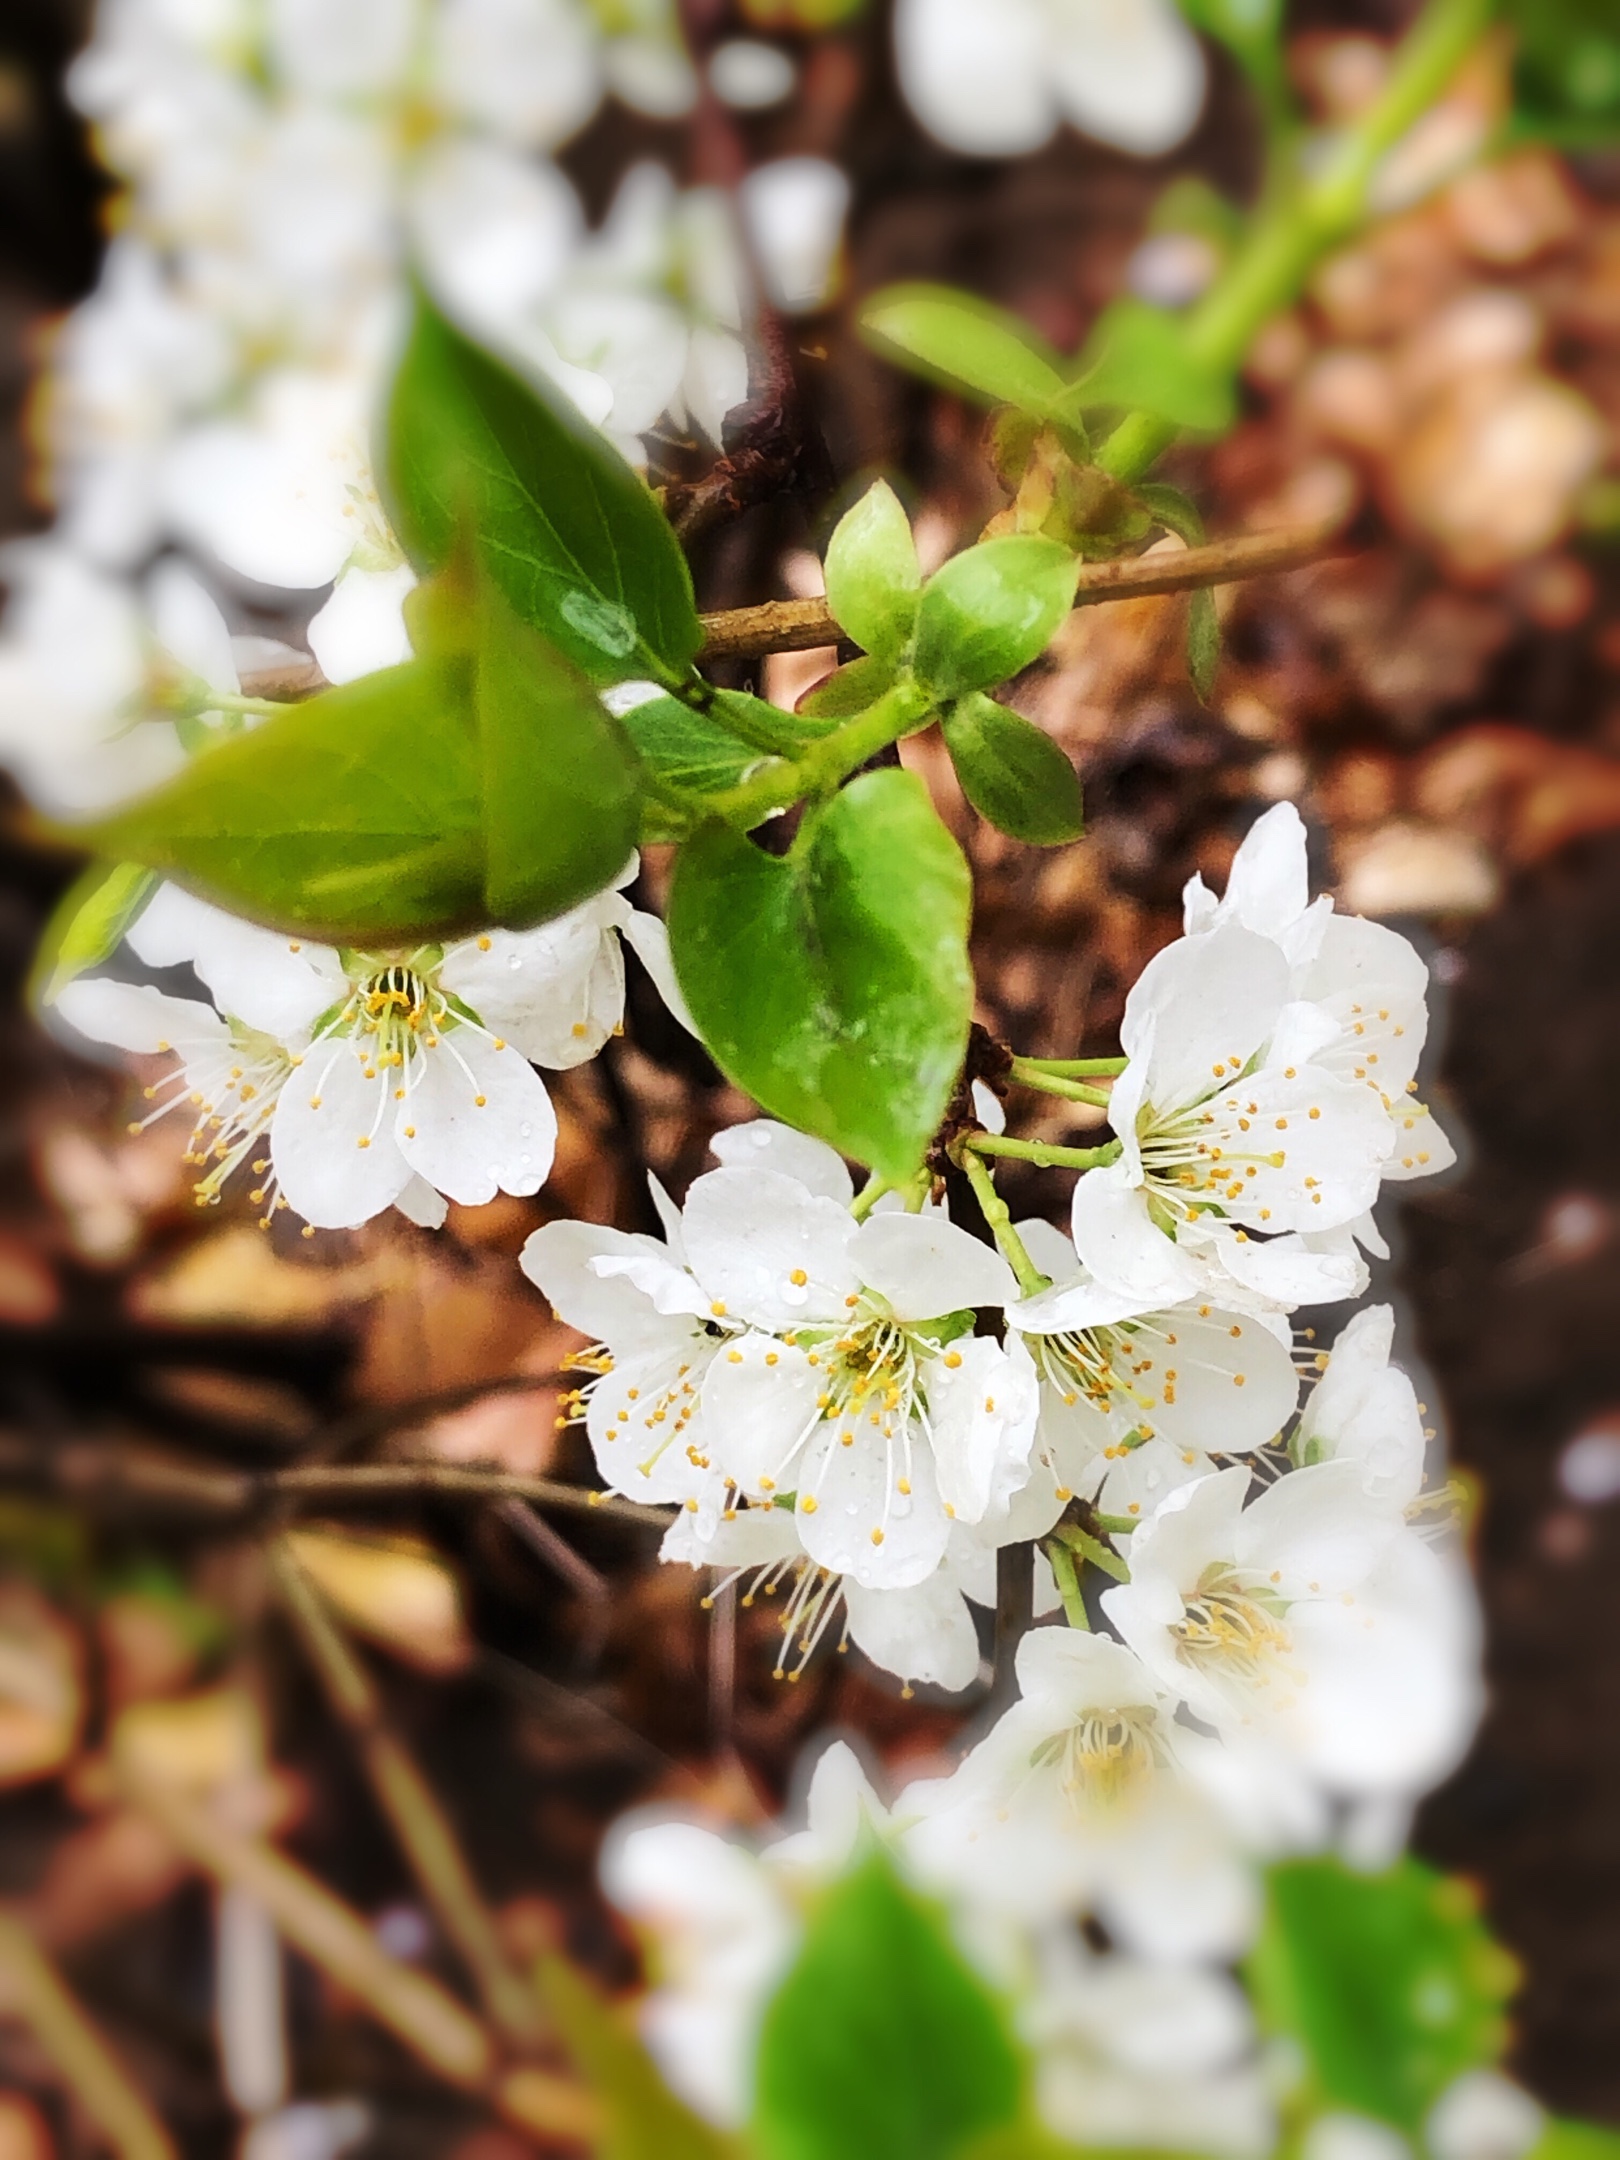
{"points": [[995, 78], [795, 210], [1363, 1409], [1311, 1620]]}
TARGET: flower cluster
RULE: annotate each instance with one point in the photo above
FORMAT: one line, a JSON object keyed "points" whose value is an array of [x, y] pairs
{"points": [[1130, 2047], [347, 1082], [211, 405]]}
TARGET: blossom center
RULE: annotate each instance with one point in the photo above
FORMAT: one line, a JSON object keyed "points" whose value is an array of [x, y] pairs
{"points": [[1231, 1626]]}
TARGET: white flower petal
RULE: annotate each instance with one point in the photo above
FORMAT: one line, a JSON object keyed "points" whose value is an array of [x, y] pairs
{"points": [[649, 941], [770, 1252], [853, 1518], [981, 1414], [926, 1266], [762, 1144], [556, 993], [925, 1633], [1215, 1001], [1120, 1245], [611, 1309], [477, 1121], [332, 1141], [361, 628], [137, 1018], [276, 983], [420, 1204], [759, 1403], [976, 75]]}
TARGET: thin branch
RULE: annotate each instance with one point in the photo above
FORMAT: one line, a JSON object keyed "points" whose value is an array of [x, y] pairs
{"points": [[802, 625], [424, 1832], [32, 1990], [89, 1471]]}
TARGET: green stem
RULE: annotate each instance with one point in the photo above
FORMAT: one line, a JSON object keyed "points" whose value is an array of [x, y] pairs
{"points": [[869, 1196], [1000, 1224], [231, 701], [1104, 1068], [1031, 1076], [823, 765], [1093, 1549], [1306, 223], [1115, 1525], [1045, 1152], [1067, 1577]]}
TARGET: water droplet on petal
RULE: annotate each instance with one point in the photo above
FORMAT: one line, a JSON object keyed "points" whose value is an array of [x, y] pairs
{"points": [[523, 1133], [793, 1293], [514, 961]]}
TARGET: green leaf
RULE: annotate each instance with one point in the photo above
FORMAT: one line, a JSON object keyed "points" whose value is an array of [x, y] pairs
{"points": [[688, 749], [1013, 774], [1390, 1984], [355, 816], [1249, 29], [880, 2044], [87, 925], [1137, 359], [562, 783], [1563, 2139], [833, 983], [848, 690], [872, 575], [964, 344], [1203, 641], [1566, 71], [992, 610], [645, 2121], [571, 535]]}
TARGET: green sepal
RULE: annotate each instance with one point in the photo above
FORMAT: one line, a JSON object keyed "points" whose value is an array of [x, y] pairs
{"points": [[1012, 773], [832, 984]]}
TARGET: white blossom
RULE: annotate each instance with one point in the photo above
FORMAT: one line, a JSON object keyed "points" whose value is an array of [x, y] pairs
{"points": [[1081, 1799], [1129, 2053], [1312, 1621], [723, 1924], [1364, 1409], [996, 77], [1133, 1396], [857, 1387]]}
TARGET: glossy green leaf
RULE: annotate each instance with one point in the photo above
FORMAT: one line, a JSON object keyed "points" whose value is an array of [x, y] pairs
{"points": [[644, 2119], [355, 816], [571, 535], [873, 578], [1012, 773], [1390, 1984], [88, 925], [992, 610], [964, 344], [1137, 359], [880, 2044], [833, 983], [562, 783]]}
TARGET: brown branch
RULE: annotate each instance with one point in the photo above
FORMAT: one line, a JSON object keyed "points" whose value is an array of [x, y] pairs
{"points": [[32, 1990], [802, 625], [88, 1471], [424, 1832]]}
